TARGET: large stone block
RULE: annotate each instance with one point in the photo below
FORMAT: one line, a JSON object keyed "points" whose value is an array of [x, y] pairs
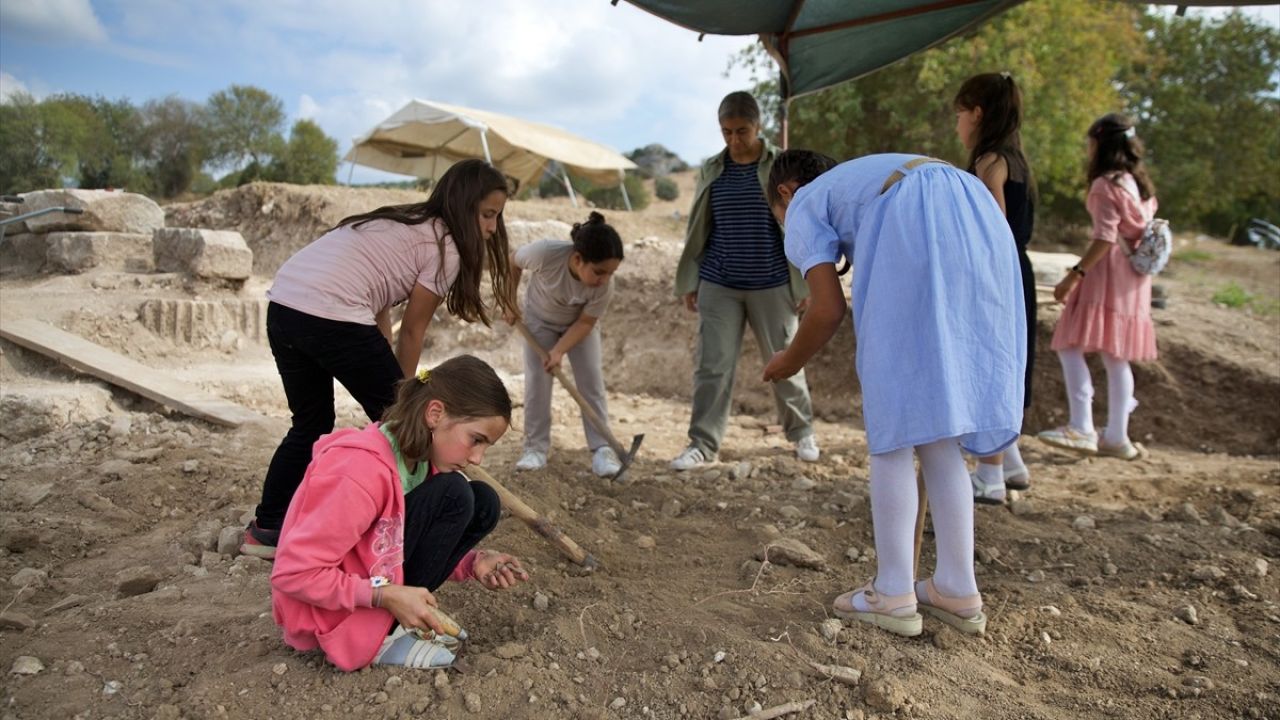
{"points": [[1050, 268], [78, 251], [203, 253], [523, 232], [104, 211], [23, 252], [8, 210]]}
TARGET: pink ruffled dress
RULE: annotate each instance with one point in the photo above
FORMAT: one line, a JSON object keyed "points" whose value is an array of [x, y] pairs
{"points": [[1110, 310]]}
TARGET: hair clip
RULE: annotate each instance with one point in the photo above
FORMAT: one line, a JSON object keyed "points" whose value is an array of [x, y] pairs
{"points": [[1130, 132], [424, 376]]}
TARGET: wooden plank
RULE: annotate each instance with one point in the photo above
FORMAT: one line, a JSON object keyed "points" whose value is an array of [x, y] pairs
{"points": [[153, 384]]}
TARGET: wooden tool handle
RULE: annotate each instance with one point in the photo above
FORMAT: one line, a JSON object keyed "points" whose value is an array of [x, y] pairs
{"points": [[530, 517], [589, 413]]}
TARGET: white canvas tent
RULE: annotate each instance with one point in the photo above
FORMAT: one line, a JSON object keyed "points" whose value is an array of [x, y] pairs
{"points": [[425, 138]]}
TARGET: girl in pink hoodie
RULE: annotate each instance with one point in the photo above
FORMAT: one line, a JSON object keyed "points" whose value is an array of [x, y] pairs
{"points": [[384, 515]]}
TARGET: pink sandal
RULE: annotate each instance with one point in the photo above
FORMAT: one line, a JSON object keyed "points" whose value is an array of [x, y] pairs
{"points": [[895, 613], [962, 613]]}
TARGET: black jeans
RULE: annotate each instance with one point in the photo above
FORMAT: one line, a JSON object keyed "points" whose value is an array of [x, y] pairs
{"points": [[444, 518], [311, 352]]}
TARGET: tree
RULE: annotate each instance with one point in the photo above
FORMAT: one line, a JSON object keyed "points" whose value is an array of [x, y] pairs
{"points": [[242, 126], [310, 158], [1206, 105], [173, 144], [38, 144]]}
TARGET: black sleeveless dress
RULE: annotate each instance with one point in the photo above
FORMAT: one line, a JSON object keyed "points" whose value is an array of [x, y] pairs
{"points": [[1020, 212]]}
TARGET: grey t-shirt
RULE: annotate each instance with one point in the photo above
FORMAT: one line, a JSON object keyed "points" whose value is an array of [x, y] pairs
{"points": [[554, 295]]}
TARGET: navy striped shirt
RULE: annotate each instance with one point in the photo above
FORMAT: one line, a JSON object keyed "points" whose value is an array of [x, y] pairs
{"points": [[744, 251]]}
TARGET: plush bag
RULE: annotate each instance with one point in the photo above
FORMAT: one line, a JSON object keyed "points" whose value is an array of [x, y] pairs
{"points": [[1151, 252]]}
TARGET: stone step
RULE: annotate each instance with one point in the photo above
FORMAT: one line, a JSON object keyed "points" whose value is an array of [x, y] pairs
{"points": [[205, 322]]}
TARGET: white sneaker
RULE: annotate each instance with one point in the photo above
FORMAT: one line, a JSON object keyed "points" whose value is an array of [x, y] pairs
{"points": [[532, 460], [807, 449], [689, 459], [605, 462]]}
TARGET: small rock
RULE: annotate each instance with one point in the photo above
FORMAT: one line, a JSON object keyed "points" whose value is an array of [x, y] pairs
{"points": [[137, 580], [1198, 681], [1110, 569], [1220, 516], [510, 651], [789, 551], [645, 542], [945, 638], [1083, 522], [190, 466], [1036, 576], [393, 683], [719, 656], [111, 687], [1051, 611], [741, 471], [803, 483], [672, 507], [229, 539], [26, 665], [13, 620], [790, 512], [884, 695], [826, 522], [120, 427], [1207, 573], [593, 654], [831, 628], [987, 555], [472, 701], [1260, 567], [1022, 507], [1186, 512], [618, 703], [1187, 614], [29, 576], [540, 601], [280, 668]]}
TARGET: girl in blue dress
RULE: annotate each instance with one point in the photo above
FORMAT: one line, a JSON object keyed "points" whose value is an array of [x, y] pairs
{"points": [[941, 347]]}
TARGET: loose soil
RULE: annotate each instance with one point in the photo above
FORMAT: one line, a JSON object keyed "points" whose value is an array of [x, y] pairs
{"points": [[111, 513]]}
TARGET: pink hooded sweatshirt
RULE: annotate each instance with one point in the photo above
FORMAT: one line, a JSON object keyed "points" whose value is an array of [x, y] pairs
{"points": [[345, 525]]}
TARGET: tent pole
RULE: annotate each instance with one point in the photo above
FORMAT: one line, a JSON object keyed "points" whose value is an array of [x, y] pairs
{"points": [[568, 185], [622, 183], [351, 166], [484, 142]]}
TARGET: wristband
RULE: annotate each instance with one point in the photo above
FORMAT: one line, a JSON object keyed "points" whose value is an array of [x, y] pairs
{"points": [[1077, 269], [377, 582]]}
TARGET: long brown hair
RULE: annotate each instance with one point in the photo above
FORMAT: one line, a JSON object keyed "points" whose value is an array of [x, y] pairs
{"points": [[1119, 150], [999, 131], [466, 386], [455, 200]]}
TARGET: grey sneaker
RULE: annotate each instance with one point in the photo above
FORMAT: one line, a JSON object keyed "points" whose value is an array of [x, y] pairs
{"points": [[691, 457], [807, 449], [532, 460]]}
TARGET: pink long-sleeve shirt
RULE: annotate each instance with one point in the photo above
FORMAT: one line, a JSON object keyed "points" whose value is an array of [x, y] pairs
{"points": [[345, 525]]}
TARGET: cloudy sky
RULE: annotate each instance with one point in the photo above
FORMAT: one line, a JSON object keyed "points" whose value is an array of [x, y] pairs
{"points": [[616, 75]]}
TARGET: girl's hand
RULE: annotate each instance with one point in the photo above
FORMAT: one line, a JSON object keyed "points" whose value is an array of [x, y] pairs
{"points": [[1063, 289], [691, 302], [511, 316], [553, 360], [412, 607], [497, 570], [780, 367], [802, 306]]}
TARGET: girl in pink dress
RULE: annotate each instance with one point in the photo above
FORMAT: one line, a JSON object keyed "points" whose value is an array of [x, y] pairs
{"points": [[1108, 303]]}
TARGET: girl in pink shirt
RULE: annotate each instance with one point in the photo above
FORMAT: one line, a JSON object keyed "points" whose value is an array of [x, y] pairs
{"points": [[1108, 303], [385, 515], [330, 312]]}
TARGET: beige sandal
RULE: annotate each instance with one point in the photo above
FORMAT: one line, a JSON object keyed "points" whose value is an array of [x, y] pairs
{"points": [[962, 613], [1127, 451], [895, 613]]}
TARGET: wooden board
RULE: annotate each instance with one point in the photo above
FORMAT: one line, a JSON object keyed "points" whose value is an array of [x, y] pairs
{"points": [[153, 384]]}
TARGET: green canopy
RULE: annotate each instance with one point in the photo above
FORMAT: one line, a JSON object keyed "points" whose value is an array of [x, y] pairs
{"points": [[820, 43]]}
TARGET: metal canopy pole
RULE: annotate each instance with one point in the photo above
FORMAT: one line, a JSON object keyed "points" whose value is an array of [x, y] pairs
{"points": [[484, 142], [351, 166], [622, 183], [568, 185]]}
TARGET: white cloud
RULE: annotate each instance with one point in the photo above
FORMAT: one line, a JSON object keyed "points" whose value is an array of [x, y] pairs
{"points": [[52, 21], [307, 107], [10, 86]]}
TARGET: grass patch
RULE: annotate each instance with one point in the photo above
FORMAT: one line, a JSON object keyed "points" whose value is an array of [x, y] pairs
{"points": [[1193, 257], [1233, 296]]}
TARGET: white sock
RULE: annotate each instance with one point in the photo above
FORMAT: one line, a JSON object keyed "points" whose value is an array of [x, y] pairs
{"points": [[1075, 372], [893, 517], [1013, 458], [1120, 401], [991, 474], [951, 507]]}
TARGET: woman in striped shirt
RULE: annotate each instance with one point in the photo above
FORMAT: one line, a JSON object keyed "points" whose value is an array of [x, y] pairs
{"points": [[734, 271]]}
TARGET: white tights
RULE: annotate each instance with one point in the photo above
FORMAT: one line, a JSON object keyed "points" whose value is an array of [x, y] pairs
{"points": [[893, 515], [1120, 400]]}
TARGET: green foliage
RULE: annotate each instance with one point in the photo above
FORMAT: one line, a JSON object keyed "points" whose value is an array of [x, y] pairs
{"points": [[1206, 103], [173, 145], [552, 186], [242, 124], [1233, 296], [1192, 257], [309, 158], [611, 197], [38, 144], [665, 188], [111, 156]]}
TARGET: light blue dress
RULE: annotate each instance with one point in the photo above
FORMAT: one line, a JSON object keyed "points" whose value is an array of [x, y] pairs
{"points": [[941, 338]]}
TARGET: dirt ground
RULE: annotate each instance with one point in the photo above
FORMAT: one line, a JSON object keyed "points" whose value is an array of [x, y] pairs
{"points": [[1114, 590]]}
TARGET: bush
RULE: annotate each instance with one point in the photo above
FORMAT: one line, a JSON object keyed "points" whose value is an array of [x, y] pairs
{"points": [[666, 189], [611, 197], [551, 186]]}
